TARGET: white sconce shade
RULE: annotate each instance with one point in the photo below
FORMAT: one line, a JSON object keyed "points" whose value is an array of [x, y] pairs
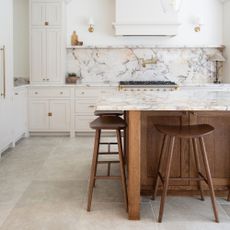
{"points": [[171, 5]]}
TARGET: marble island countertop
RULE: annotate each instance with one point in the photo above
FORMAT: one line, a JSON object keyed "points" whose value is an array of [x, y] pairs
{"points": [[188, 100]]}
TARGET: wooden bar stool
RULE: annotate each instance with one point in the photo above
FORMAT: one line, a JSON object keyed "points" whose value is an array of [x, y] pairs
{"points": [[193, 133], [107, 123], [108, 113]]}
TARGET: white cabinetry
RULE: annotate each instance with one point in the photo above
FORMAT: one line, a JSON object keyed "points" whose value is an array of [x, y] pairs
{"points": [[46, 14], [47, 46], [20, 106], [50, 109], [85, 105]]}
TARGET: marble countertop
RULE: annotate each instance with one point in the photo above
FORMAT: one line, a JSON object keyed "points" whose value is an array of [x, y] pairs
{"points": [[188, 100]]}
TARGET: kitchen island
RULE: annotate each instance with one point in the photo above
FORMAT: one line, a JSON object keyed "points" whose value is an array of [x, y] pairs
{"points": [[181, 107]]}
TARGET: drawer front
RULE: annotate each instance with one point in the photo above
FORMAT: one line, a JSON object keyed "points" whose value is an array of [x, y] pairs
{"points": [[82, 123], [93, 92], [49, 92], [85, 107]]}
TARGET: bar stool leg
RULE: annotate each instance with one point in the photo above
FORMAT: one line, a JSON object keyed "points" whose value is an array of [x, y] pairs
{"points": [[209, 178], [166, 182], [122, 169], [197, 161], [93, 168], [163, 148]]}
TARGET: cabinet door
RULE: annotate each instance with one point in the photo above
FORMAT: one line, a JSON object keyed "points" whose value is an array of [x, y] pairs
{"points": [[53, 14], [151, 146], [53, 56], [38, 14], [6, 126], [217, 144], [38, 115], [38, 56], [60, 115], [20, 108]]}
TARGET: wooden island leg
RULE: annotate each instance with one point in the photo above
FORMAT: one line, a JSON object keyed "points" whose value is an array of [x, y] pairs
{"points": [[134, 169]]}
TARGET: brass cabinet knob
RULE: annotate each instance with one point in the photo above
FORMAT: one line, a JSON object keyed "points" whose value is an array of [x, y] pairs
{"points": [[61, 93], [50, 114], [36, 93], [16, 94], [46, 23]]}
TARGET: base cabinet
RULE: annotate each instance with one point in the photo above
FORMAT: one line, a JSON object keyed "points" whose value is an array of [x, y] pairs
{"points": [[49, 115], [217, 145]]}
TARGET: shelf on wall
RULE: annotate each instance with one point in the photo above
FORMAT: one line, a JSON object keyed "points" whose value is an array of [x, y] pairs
{"points": [[144, 47]]}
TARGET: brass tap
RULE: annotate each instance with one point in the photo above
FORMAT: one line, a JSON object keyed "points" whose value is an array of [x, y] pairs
{"points": [[144, 62]]}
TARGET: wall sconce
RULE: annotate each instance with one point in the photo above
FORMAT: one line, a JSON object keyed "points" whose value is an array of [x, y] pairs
{"points": [[197, 24], [91, 25], [171, 5]]}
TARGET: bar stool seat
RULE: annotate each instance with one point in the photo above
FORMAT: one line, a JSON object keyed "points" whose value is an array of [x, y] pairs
{"points": [[193, 133], [115, 123], [108, 122], [108, 113]]}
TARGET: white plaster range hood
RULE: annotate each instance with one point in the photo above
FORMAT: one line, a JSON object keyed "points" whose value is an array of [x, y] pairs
{"points": [[145, 18]]}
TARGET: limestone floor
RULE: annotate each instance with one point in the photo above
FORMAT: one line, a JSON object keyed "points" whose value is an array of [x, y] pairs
{"points": [[43, 186]]}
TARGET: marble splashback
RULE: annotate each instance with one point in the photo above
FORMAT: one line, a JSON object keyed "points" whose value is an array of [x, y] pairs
{"points": [[181, 65]]}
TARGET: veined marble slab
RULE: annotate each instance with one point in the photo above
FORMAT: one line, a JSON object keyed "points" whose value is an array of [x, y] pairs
{"points": [[180, 65], [166, 101]]}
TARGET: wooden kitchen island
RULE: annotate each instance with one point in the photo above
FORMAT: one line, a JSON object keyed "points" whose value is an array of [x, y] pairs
{"points": [[144, 110]]}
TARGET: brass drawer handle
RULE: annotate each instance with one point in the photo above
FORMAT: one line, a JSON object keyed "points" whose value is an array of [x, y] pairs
{"points": [[50, 114], [16, 94], [36, 93], [91, 106]]}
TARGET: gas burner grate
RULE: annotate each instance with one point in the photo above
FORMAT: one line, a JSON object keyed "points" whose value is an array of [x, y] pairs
{"points": [[148, 83]]}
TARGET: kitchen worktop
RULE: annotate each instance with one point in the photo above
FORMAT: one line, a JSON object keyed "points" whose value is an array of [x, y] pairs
{"points": [[183, 99]]}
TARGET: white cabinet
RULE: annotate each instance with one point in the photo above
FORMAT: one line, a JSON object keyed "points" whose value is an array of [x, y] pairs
{"points": [[47, 43], [38, 115], [46, 53], [6, 124], [50, 109], [46, 14], [85, 105], [20, 106]]}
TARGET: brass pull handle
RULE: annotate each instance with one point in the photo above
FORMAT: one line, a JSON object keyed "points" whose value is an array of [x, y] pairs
{"points": [[3, 49], [36, 93], [61, 93], [46, 23], [16, 94], [82, 92], [50, 114], [91, 106]]}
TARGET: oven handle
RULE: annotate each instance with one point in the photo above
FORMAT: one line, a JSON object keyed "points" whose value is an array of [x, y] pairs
{"points": [[3, 94]]}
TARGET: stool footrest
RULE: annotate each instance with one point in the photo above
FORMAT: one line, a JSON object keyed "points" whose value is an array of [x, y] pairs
{"points": [[107, 177], [108, 162], [108, 143], [108, 153]]}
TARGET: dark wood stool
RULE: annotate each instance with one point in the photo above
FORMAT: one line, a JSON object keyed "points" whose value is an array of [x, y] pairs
{"points": [[107, 123], [193, 133]]}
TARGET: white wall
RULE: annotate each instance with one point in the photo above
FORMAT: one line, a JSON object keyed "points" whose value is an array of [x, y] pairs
{"points": [[21, 38], [103, 12], [227, 41]]}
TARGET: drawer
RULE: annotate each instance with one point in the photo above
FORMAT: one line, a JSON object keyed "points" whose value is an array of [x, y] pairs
{"points": [[50, 92], [93, 92], [85, 107], [82, 123]]}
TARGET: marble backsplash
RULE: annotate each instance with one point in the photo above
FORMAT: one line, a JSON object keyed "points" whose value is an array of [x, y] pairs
{"points": [[181, 65]]}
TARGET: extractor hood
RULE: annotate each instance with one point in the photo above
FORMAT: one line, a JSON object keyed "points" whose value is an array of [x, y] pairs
{"points": [[144, 18]]}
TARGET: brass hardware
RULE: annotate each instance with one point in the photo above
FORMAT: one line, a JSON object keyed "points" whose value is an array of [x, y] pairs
{"points": [[144, 62], [91, 29], [3, 49], [91, 106], [61, 93], [50, 114], [82, 92], [46, 23], [16, 94], [197, 28], [36, 93], [47, 79]]}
